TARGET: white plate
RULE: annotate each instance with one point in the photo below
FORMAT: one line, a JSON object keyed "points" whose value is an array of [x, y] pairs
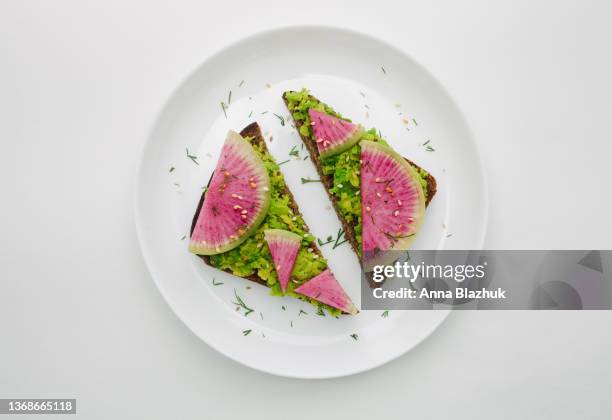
{"points": [[344, 69]]}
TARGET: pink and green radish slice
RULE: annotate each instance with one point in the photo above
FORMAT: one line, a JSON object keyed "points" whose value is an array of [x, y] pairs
{"points": [[331, 134], [326, 289], [236, 201], [284, 247], [392, 199]]}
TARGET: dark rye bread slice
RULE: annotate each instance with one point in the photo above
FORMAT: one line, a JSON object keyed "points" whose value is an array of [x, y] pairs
{"points": [[328, 180], [251, 130]]}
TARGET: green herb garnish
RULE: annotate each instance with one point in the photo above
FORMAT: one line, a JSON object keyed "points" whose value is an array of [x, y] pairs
{"points": [[281, 119], [216, 283], [240, 304], [193, 158], [338, 241], [329, 239], [354, 336], [385, 314], [294, 152], [307, 180], [224, 108], [171, 169], [302, 312], [246, 332]]}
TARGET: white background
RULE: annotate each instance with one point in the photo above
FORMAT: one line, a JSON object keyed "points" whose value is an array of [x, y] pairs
{"points": [[80, 85]]}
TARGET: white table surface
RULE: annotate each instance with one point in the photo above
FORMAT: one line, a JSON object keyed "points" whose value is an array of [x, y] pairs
{"points": [[80, 85]]}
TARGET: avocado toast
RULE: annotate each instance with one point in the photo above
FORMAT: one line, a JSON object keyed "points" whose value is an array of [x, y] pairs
{"points": [[337, 154], [246, 206]]}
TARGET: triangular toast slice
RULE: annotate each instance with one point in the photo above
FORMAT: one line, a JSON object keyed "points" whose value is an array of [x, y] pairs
{"points": [[252, 260], [429, 182]]}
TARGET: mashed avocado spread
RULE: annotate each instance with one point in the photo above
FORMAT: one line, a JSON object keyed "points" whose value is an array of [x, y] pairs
{"points": [[253, 256], [344, 167]]}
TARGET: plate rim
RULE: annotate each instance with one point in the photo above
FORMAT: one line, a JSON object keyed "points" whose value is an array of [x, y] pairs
{"points": [[146, 253]]}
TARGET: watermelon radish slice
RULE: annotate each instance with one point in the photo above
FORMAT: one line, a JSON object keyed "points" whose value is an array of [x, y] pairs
{"points": [[393, 203], [284, 247], [326, 289], [236, 201], [333, 135]]}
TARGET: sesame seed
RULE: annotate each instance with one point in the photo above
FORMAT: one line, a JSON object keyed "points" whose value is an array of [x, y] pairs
{"points": [[243, 216], [377, 180], [396, 213], [244, 211], [253, 185], [368, 209], [378, 194], [237, 207], [389, 189], [399, 202]]}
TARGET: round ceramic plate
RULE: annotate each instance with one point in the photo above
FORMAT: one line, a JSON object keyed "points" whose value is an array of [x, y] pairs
{"points": [[364, 79]]}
